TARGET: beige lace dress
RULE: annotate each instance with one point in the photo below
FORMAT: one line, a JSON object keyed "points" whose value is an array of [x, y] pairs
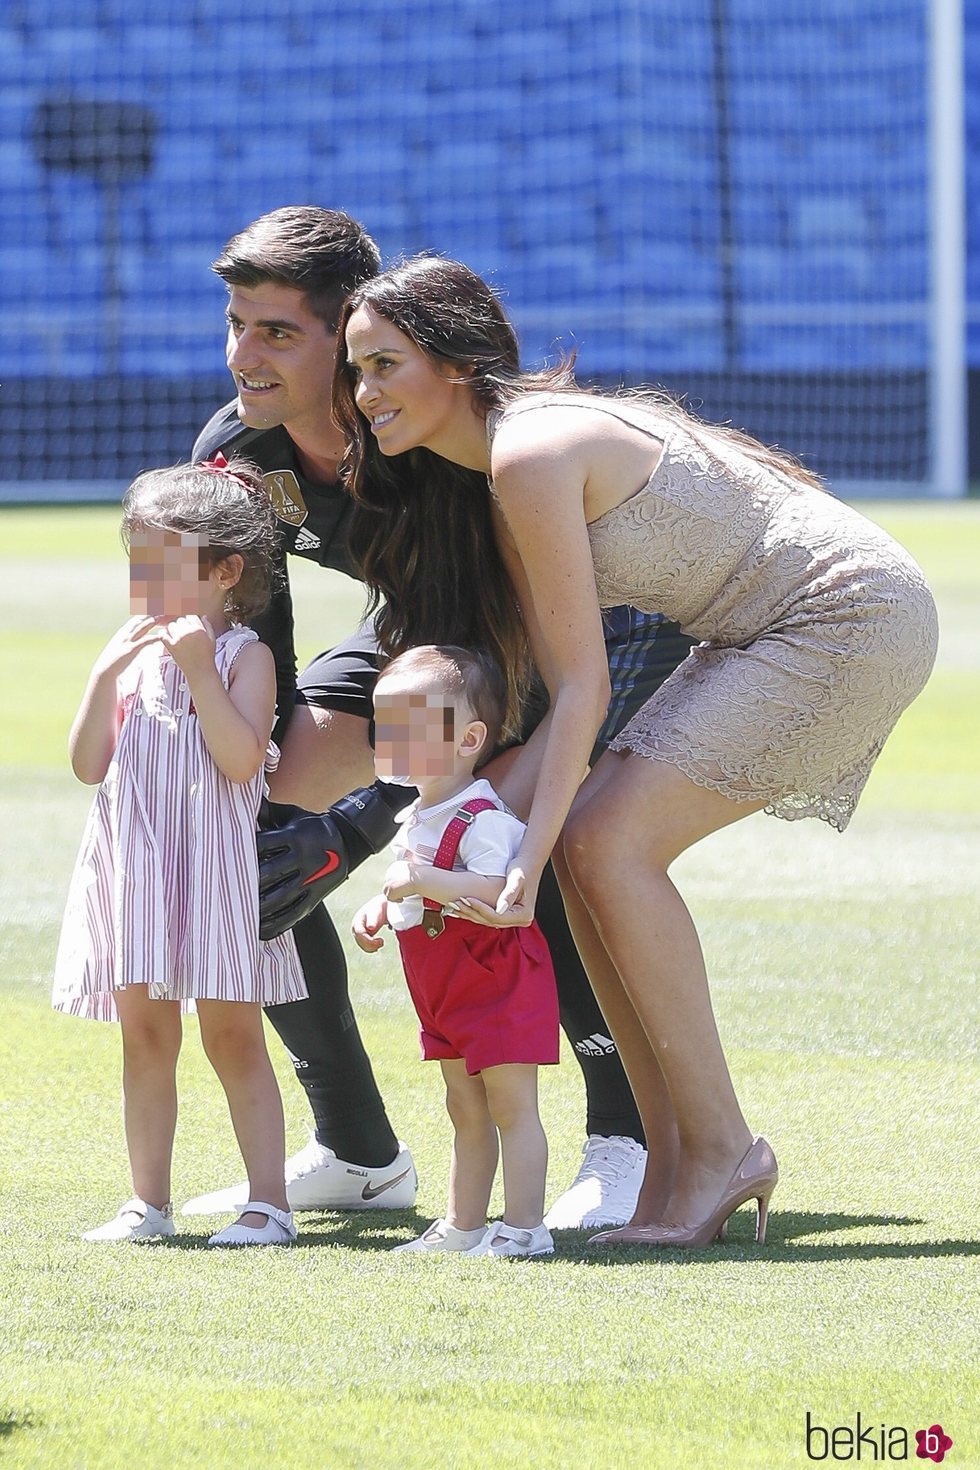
{"points": [[815, 628]]}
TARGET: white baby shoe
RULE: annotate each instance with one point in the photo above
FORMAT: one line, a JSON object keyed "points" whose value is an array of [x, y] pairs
{"points": [[277, 1230], [513, 1240], [443, 1237], [136, 1221]]}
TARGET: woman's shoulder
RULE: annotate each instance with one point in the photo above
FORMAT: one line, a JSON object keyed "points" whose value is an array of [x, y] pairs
{"points": [[528, 408], [545, 421], [538, 434]]}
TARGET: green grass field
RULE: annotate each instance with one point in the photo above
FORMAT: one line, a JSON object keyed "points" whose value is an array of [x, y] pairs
{"points": [[843, 972]]}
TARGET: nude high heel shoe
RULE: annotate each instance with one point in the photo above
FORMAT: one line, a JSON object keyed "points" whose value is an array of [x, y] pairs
{"points": [[755, 1178]]}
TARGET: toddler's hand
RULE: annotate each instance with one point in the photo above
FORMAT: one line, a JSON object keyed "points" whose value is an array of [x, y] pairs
{"points": [[190, 642], [369, 918], [399, 882], [125, 644]]}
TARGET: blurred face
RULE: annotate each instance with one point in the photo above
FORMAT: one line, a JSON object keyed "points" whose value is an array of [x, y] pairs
{"points": [[171, 574], [408, 398], [422, 734], [281, 357]]}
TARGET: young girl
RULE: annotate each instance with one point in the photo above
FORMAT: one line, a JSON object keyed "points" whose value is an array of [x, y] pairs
{"points": [[162, 913], [486, 998]]}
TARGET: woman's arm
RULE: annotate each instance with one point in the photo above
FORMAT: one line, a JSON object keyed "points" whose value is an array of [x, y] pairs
{"points": [[539, 481], [95, 728], [236, 723]]}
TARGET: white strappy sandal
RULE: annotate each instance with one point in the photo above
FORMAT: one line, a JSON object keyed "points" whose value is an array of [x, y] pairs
{"points": [[277, 1230]]}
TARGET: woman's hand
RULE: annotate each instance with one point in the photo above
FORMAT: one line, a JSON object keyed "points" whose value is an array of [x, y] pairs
{"points": [[514, 908]]}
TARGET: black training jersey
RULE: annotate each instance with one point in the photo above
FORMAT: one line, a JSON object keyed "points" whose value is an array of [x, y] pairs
{"points": [[314, 521]]}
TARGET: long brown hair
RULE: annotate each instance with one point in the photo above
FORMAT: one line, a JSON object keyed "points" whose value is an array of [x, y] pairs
{"points": [[422, 531]]}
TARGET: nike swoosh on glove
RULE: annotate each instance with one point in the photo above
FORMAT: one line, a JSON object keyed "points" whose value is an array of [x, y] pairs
{"points": [[307, 855]]}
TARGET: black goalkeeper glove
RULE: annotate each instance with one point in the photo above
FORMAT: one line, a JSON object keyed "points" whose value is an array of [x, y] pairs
{"points": [[307, 855]]}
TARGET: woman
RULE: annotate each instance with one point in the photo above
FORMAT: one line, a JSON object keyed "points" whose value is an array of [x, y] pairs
{"points": [[816, 630]]}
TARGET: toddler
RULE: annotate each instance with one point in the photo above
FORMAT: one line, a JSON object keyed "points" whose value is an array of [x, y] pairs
{"points": [[485, 997]]}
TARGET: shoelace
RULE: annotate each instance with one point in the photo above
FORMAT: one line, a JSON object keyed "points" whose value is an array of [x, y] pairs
{"points": [[605, 1160], [309, 1159]]}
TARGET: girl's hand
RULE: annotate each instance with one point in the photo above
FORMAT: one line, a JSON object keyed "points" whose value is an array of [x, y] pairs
{"points": [[95, 728], [190, 642], [514, 908], [125, 644], [399, 882], [369, 918]]}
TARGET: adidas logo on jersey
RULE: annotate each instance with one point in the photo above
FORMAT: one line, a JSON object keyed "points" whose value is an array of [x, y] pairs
{"points": [[306, 541], [595, 1045]]}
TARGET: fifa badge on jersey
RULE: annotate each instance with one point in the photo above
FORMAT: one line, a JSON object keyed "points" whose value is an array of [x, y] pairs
{"points": [[282, 488]]}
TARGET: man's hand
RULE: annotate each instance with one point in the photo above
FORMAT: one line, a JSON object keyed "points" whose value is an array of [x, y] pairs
{"points": [[306, 856], [299, 864]]}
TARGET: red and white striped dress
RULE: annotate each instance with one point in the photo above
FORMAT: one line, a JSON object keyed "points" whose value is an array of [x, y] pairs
{"points": [[165, 888]]}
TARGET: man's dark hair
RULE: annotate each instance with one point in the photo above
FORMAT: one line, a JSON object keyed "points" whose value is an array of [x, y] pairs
{"points": [[322, 252]]}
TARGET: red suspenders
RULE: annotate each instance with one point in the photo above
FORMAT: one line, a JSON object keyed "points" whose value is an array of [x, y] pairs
{"points": [[432, 921]]}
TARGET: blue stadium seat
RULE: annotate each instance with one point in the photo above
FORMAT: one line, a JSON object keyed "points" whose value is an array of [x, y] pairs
{"points": [[536, 144]]}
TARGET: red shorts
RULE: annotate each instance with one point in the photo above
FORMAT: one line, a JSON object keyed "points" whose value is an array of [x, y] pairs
{"points": [[485, 995]]}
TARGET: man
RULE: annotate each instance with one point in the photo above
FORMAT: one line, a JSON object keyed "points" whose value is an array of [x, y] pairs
{"points": [[287, 274]]}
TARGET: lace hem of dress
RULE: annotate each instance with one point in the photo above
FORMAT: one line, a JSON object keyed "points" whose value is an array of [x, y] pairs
{"points": [[835, 809]]}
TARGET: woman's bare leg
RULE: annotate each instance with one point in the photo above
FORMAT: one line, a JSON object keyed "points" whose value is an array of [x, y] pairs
{"points": [[619, 847]]}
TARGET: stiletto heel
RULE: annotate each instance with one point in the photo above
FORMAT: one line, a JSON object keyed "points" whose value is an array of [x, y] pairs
{"points": [[762, 1217], [755, 1178]]}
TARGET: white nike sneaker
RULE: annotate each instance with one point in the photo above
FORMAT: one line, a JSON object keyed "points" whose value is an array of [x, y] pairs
{"points": [[136, 1221], [317, 1180], [511, 1240], [605, 1188], [443, 1237]]}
